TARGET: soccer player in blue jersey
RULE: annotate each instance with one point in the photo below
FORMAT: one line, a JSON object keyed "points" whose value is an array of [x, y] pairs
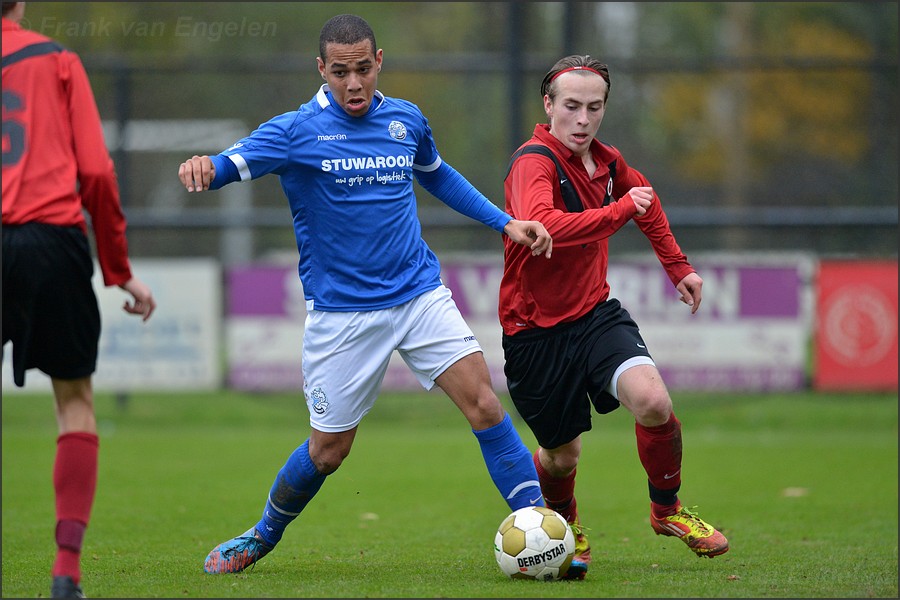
{"points": [[346, 160]]}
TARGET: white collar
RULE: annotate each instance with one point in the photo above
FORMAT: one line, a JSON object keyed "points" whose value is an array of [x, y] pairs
{"points": [[323, 101]]}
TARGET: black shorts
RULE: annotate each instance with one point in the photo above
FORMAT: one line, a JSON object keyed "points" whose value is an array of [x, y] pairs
{"points": [[50, 310], [554, 375]]}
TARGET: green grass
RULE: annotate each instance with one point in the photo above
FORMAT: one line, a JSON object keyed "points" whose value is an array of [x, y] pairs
{"points": [[803, 485]]}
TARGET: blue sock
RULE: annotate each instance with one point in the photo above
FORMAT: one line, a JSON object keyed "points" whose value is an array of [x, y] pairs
{"points": [[295, 485], [510, 464]]}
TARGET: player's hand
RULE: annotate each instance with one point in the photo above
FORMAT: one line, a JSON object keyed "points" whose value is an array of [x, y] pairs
{"points": [[690, 290], [532, 234], [197, 173], [143, 304], [642, 197]]}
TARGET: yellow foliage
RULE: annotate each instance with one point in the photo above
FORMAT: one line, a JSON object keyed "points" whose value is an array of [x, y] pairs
{"points": [[820, 112]]}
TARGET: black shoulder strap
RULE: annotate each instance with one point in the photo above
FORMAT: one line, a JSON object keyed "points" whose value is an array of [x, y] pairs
{"points": [[36, 49], [612, 175], [569, 195]]}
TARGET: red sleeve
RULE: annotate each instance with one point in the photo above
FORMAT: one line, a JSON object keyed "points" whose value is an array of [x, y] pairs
{"points": [[99, 187], [533, 186], [654, 224]]}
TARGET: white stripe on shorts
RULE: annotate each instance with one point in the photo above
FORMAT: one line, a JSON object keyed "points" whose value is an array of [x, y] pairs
{"points": [[631, 362]]}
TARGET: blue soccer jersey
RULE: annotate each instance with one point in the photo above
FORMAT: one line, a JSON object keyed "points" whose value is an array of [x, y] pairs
{"points": [[349, 182]]}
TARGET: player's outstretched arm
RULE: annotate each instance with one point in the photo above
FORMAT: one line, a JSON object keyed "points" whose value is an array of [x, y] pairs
{"points": [[532, 234], [197, 173]]}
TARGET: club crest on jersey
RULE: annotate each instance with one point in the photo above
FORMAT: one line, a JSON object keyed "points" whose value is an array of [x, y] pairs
{"points": [[318, 400], [397, 130]]}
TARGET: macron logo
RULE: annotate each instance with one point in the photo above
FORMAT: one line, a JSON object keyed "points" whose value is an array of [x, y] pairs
{"points": [[331, 137]]}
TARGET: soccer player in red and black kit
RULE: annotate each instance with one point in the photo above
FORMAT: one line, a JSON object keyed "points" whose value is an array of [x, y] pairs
{"points": [[567, 344], [55, 164]]}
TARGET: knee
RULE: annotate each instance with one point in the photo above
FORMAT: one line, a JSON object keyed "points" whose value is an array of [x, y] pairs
{"points": [[489, 408], [327, 459], [482, 410], [328, 463], [654, 409], [562, 464], [74, 405], [468, 383], [561, 461], [642, 391]]}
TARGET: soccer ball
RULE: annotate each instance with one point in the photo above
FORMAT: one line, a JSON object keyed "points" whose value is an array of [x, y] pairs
{"points": [[534, 543]]}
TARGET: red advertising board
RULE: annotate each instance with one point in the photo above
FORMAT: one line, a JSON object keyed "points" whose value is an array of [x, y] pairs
{"points": [[856, 326]]}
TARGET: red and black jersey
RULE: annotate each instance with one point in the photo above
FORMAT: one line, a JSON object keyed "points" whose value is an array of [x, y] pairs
{"points": [[55, 161], [537, 292]]}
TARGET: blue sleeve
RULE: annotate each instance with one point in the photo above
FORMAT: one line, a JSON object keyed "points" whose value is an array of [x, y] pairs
{"points": [[449, 186], [263, 151], [226, 172]]}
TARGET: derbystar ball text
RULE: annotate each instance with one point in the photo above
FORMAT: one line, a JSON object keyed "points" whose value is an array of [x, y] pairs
{"points": [[545, 556]]}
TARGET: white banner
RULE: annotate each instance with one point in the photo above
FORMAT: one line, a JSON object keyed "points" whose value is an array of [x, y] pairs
{"points": [[177, 349]]}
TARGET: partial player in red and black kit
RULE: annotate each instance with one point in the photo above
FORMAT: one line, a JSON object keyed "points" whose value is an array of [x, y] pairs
{"points": [[55, 164], [567, 344]]}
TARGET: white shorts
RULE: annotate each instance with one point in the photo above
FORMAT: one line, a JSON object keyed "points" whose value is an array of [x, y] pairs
{"points": [[346, 354]]}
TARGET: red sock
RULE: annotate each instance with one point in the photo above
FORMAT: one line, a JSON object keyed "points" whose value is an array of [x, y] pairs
{"points": [[559, 492], [74, 481], [659, 449], [664, 510]]}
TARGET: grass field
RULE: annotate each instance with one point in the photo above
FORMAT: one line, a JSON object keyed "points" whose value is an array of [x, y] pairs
{"points": [[803, 485]]}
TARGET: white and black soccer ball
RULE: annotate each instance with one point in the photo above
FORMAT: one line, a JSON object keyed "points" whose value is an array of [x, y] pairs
{"points": [[534, 543]]}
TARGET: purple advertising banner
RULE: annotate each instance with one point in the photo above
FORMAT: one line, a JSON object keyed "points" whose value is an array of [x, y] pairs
{"points": [[750, 334], [264, 319]]}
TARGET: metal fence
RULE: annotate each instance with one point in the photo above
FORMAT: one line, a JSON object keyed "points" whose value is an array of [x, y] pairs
{"points": [[790, 194]]}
